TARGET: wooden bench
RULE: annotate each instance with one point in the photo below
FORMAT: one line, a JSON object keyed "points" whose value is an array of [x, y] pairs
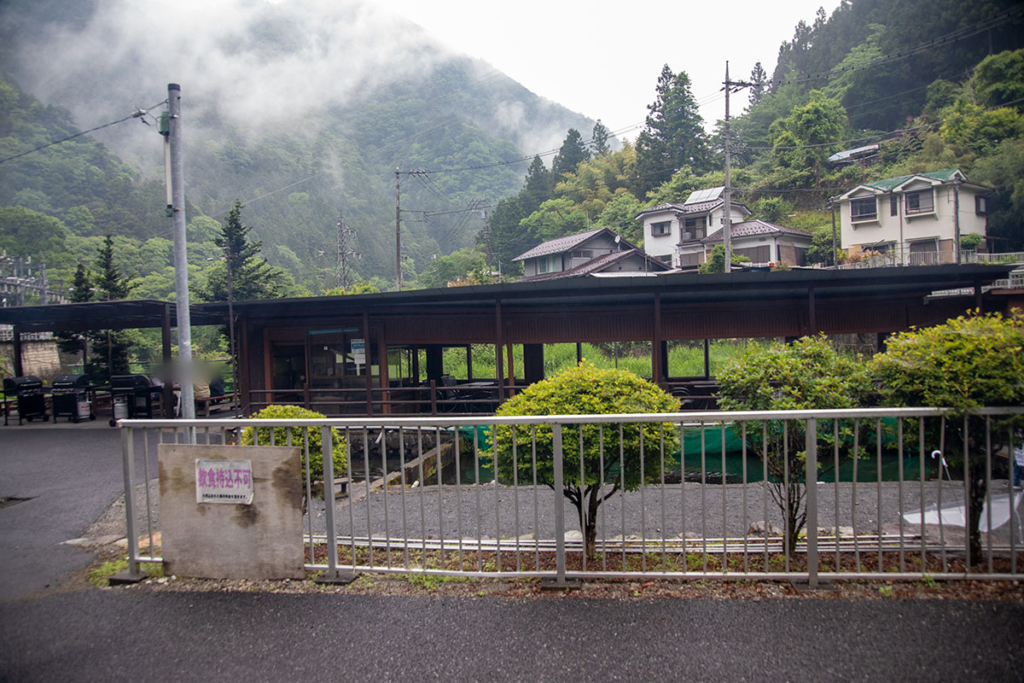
{"points": [[203, 405]]}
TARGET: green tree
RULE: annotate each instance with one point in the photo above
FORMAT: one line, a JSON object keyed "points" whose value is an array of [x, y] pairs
{"points": [[999, 80], [673, 134], [538, 186], [110, 348], [507, 238], [772, 209], [81, 291], [251, 276], [805, 139], [821, 250], [716, 261], [807, 374], [969, 362], [361, 287], [587, 390], [759, 84], [555, 218], [26, 233], [453, 267], [599, 139], [571, 154]]}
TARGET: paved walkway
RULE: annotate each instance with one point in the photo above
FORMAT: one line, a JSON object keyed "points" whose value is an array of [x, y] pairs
{"points": [[72, 474]]}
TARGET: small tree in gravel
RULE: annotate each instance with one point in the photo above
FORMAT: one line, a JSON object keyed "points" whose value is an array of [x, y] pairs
{"points": [[967, 363], [807, 374], [587, 390]]}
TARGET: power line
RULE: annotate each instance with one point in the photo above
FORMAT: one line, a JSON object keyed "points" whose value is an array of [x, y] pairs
{"points": [[941, 41], [138, 113], [882, 136]]}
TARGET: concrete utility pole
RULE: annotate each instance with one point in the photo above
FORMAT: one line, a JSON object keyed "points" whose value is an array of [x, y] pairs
{"points": [[727, 195], [176, 208], [398, 229], [956, 217], [835, 247]]}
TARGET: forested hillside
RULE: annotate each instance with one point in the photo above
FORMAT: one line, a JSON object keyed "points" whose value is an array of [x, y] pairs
{"points": [[937, 84], [303, 132]]}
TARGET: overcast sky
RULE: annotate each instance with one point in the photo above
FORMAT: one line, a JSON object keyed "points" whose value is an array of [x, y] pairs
{"points": [[602, 59]]}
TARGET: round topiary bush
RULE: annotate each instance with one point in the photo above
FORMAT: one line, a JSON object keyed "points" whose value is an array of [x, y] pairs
{"points": [[316, 458], [588, 390]]}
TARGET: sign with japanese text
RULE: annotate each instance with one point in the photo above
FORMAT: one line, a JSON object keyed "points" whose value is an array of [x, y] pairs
{"points": [[224, 481], [359, 351]]}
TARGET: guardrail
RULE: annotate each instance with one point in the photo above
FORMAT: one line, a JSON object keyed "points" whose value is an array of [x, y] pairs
{"points": [[810, 495]]}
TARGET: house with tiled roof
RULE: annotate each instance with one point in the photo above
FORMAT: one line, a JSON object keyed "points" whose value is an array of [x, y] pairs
{"points": [[762, 242], [915, 219], [667, 227], [596, 253]]}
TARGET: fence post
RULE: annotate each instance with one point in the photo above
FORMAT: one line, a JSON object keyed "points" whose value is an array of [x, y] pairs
{"points": [[811, 485], [327, 452], [132, 574], [559, 507]]}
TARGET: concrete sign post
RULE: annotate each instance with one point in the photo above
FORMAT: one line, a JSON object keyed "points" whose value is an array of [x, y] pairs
{"points": [[231, 512]]}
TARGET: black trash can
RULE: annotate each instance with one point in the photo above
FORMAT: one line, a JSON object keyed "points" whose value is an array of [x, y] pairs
{"points": [[31, 399], [71, 398], [131, 396]]}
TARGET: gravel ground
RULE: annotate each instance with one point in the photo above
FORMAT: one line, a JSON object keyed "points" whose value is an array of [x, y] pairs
{"points": [[452, 513]]}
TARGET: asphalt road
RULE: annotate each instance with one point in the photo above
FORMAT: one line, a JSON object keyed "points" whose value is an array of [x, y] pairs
{"points": [[70, 474], [122, 635]]}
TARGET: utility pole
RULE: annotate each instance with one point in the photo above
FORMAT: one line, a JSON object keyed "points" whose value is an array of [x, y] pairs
{"points": [[727, 207], [487, 240], [727, 194], [176, 209], [956, 216], [835, 248], [398, 229]]}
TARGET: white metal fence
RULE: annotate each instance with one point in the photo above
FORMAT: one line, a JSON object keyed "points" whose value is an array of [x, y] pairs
{"points": [[841, 494]]}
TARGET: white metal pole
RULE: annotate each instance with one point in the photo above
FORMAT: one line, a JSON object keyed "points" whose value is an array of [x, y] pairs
{"points": [[727, 195]]}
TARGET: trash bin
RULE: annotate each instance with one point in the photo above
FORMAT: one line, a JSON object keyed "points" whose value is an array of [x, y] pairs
{"points": [[71, 398], [31, 399], [131, 396]]}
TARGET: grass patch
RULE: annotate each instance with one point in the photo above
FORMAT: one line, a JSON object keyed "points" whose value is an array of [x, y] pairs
{"points": [[99, 576]]}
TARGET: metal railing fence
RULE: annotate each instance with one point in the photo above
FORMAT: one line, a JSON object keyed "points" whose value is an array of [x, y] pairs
{"points": [[736, 495]]}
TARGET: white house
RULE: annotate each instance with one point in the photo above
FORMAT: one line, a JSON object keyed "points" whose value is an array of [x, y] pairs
{"points": [[599, 252], [762, 242], [913, 218], [673, 232]]}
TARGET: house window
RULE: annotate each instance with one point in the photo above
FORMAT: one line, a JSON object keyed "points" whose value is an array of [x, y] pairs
{"points": [[694, 229], [659, 229], [981, 205], [666, 258], [583, 253], [542, 264], [864, 209], [894, 205], [921, 201]]}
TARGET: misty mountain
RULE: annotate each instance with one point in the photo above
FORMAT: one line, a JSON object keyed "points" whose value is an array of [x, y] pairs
{"points": [[298, 109]]}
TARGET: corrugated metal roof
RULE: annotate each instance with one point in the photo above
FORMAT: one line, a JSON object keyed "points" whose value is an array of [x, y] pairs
{"points": [[755, 227], [889, 184]]}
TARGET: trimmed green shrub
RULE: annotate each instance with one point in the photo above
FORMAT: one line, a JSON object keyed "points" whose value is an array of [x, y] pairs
{"points": [[966, 363], [316, 458], [588, 390]]}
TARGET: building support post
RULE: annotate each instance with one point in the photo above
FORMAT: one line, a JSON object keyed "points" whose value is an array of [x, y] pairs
{"points": [[657, 371], [499, 342], [167, 394], [19, 369], [368, 364]]}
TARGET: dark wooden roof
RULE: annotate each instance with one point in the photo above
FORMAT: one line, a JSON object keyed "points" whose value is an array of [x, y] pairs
{"points": [[100, 315]]}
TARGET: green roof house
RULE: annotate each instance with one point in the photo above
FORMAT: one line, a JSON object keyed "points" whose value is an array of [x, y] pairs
{"points": [[913, 219]]}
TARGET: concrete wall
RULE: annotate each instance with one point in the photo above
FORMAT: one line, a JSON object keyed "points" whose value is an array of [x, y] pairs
{"points": [[262, 540]]}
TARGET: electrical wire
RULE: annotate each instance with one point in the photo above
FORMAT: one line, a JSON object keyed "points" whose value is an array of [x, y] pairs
{"points": [[134, 115]]}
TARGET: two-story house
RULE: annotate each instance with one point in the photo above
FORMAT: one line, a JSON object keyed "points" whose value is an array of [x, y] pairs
{"points": [[673, 233], [763, 243], [599, 252], [914, 219]]}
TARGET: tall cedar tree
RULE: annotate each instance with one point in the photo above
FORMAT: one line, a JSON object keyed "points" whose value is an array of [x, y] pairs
{"points": [[599, 140], [538, 187], [251, 276], [109, 348], [572, 153], [673, 136], [81, 291], [758, 84]]}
